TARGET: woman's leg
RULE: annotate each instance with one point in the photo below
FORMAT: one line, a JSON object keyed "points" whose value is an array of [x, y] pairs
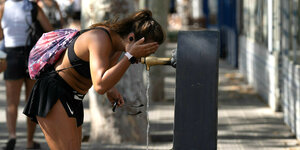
{"points": [[61, 131], [30, 124], [13, 90]]}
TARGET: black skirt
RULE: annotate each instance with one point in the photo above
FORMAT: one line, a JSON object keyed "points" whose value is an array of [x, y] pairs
{"points": [[45, 93]]}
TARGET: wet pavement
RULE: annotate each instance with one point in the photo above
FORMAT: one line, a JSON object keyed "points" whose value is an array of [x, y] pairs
{"points": [[245, 122]]}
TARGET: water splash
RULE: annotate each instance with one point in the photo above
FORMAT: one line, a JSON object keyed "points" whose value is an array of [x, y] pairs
{"points": [[147, 109]]}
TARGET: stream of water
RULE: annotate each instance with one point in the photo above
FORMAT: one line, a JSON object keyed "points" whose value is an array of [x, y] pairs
{"points": [[147, 109]]}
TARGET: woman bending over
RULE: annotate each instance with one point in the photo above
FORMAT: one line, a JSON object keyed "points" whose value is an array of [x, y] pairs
{"points": [[94, 57]]}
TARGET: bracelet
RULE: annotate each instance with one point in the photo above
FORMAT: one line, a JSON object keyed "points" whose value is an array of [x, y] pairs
{"points": [[131, 58]]}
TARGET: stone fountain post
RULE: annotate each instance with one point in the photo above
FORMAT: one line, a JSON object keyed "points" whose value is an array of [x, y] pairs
{"points": [[195, 124]]}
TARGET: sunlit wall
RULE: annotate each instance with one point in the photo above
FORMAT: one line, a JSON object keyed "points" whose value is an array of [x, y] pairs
{"points": [[269, 54], [256, 61], [290, 64]]}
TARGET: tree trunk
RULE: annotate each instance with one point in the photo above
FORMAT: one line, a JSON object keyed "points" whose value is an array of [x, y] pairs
{"points": [[119, 127]]}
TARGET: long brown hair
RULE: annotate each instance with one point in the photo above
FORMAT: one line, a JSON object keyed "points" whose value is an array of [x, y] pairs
{"points": [[140, 23]]}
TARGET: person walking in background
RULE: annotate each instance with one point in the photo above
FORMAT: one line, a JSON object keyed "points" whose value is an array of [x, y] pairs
{"points": [[76, 9], [16, 17], [93, 58], [74, 14], [53, 12]]}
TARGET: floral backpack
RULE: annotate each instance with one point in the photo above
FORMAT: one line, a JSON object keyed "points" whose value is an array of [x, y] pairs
{"points": [[48, 49]]}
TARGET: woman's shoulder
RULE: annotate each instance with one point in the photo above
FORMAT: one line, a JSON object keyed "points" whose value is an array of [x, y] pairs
{"points": [[94, 40], [98, 34], [97, 29]]}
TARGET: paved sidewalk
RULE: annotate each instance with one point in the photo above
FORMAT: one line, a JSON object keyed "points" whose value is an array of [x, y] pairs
{"points": [[245, 121]]}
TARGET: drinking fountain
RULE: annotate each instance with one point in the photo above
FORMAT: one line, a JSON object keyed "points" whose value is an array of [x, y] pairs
{"points": [[196, 112]]}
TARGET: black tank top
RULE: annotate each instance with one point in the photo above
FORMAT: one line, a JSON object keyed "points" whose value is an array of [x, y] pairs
{"points": [[81, 66]]}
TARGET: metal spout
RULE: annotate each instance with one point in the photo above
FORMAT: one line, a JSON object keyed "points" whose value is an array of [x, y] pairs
{"points": [[153, 61]]}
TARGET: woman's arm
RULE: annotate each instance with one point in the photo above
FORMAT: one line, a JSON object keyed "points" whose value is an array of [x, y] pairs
{"points": [[42, 18], [104, 77]]}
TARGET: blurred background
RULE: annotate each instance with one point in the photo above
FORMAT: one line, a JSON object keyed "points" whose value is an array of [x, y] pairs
{"points": [[259, 74]]}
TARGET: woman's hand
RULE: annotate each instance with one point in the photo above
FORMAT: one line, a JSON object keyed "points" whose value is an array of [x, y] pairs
{"points": [[138, 49], [113, 96]]}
